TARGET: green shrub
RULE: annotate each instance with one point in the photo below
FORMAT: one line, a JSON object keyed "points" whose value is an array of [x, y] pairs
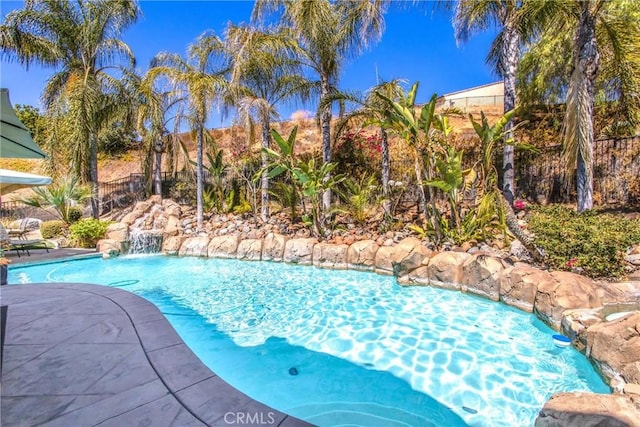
{"points": [[74, 214], [86, 232], [183, 192], [52, 229], [242, 208], [592, 242]]}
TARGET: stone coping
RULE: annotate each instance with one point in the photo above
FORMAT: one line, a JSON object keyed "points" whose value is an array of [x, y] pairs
{"points": [[82, 354]]}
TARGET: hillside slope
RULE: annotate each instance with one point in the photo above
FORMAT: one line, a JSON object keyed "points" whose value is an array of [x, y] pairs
{"points": [[234, 139]]}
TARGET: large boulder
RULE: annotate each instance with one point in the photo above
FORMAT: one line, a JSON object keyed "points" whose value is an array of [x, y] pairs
{"points": [[383, 263], [171, 208], [118, 232], [25, 224], [171, 245], [130, 218], [402, 258], [576, 322], [110, 248], [418, 276], [273, 247], [171, 226], [445, 269], [615, 346], [194, 246], [299, 251], [566, 291], [361, 255], [250, 249], [138, 211], [223, 246], [326, 255], [519, 284], [588, 409], [481, 276]]}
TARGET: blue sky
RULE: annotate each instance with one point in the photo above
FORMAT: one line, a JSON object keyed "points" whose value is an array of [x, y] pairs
{"points": [[418, 45]]}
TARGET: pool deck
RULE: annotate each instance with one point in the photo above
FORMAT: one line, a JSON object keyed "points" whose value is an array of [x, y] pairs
{"points": [[85, 355]]}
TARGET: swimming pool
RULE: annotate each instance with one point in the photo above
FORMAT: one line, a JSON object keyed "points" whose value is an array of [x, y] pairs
{"points": [[346, 347]]}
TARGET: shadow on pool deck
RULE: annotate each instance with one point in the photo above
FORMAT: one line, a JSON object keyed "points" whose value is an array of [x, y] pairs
{"points": [[82, 355], [41, 255]]}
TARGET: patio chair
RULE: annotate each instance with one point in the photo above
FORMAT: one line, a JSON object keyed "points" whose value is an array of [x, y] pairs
{"points": [[25, 234], [18, 229], [24, 245]]}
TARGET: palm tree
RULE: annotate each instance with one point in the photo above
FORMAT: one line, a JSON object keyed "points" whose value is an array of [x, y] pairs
{"points": [[154, 115], [328, 33], [264, 73], [201, 81], [81, 41], [372, 110], [605, 45], [472, 16]]}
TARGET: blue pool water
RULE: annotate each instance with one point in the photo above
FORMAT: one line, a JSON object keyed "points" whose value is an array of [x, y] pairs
{"points": [[345, 347]]}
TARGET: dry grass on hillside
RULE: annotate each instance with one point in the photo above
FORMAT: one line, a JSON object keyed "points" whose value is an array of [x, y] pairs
{"points": [[234, 139]]}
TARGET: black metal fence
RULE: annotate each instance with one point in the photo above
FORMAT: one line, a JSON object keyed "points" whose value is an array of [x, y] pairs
{"points": [[126, 191], [540, 174], [16, 209], [616, 173]]}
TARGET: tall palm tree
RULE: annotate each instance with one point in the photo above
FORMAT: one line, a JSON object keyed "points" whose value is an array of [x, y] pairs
{"points": [[372, 110], [200, 79], [264, 73], [605, 59], [81, 41], [154, 115], [328, 33], [472, 16]]}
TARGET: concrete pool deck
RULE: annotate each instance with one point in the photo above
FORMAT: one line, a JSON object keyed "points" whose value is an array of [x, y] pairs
{"points": [[84, 355]]}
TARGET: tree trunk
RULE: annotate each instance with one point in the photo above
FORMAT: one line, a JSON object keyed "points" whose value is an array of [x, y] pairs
{"points": [[325, 125], [264, 182], [157, 173], [158, 148], [586, 62], [419, 178], [516, 230], [199, 180], [510, 54], [386, 172], [93, 178]]}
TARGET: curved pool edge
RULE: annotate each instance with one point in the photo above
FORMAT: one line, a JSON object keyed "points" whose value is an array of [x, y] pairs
{"points": [[84, 354]]}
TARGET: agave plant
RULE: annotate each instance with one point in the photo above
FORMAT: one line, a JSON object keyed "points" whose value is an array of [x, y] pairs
{"points": [[60, 196], [359, 195]]}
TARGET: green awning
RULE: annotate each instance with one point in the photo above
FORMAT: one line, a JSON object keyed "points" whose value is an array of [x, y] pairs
{"points": [[16, 141]]}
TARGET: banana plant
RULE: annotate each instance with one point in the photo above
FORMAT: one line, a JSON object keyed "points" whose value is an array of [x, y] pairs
{"points": [[492, 202], [453, 181], [423, 130], [490, 136], [283, 162], [314, 180]]}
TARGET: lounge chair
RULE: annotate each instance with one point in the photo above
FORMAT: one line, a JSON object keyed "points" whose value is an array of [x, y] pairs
{"points": [[25, 235], [24, 245]]}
